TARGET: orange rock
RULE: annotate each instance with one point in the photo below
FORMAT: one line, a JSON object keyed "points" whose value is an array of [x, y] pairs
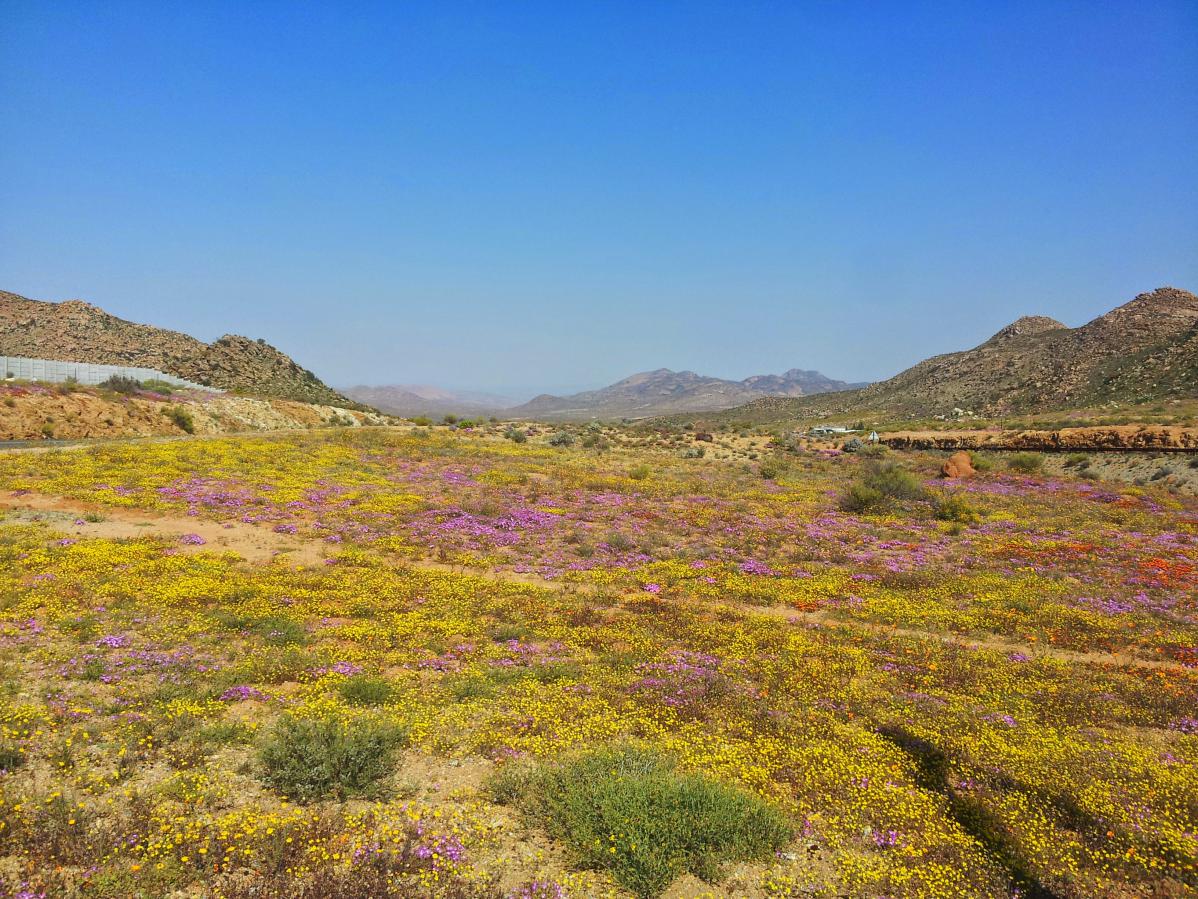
{"points": [[958, 465]]}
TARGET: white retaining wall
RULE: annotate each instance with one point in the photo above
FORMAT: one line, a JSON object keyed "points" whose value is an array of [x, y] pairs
{"points": [[56, 371]]}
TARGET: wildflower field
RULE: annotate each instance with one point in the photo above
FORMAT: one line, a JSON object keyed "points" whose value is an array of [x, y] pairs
{"points": [[515, 669]]}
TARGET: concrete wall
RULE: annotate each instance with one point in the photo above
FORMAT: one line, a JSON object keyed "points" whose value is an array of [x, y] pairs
{"points": [[56, 371]]}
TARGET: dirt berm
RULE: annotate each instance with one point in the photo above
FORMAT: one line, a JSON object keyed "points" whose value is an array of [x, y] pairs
{"points": [[1124, 438]]}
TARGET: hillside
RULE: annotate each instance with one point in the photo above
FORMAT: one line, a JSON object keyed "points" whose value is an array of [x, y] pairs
{"points": [[421, 399], [75, 331], [1143, 351], [664, 392], [64, 412]]}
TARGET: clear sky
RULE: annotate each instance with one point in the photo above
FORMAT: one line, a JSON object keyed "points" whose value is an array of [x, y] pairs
{"points": [[541, 196]]}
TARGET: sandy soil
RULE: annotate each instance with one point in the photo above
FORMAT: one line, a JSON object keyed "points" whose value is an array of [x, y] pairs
{"points": [[251, 542], [1173, 471]]}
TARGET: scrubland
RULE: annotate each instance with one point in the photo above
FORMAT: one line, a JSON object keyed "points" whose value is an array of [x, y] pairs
{"points": [[516, 669]]}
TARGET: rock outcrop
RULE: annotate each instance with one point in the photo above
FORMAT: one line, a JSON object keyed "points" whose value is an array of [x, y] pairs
{"points": [[958, 465]]}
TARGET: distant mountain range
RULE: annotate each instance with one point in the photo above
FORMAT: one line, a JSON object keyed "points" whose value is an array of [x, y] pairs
{"points": [[664, 392], [420, 399], [75, 331], [1143, 351]]}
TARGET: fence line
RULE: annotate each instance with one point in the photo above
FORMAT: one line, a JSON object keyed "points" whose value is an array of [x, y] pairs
{"points": [[56, 371]]}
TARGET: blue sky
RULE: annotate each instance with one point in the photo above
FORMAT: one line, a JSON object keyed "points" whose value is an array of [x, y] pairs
{"points": [[546, 196]]}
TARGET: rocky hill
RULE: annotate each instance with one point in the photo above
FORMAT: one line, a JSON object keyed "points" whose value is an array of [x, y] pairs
{"points": [[1143, 351], [664, 392], [75, 331]]}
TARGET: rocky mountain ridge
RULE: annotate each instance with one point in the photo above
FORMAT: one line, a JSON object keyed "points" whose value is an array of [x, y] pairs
{"points": [[75, 331], [421, 399], [663, 392]]}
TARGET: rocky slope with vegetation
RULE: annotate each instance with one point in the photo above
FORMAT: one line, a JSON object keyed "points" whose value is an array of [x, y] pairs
{"points": [[1144, 351], [61, 412], [75, 331]]}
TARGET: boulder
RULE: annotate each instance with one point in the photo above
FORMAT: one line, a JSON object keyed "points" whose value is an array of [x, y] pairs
{"points": [[958, 465]]}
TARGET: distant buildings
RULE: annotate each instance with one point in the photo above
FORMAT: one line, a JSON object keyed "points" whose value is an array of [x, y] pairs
{"points": [[829, 431]]}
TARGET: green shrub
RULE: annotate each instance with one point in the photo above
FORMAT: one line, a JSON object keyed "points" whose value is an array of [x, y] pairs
{"points": [[862, 498], [515, 435], [640, 472], [1077, 460], [769, 471], [226, 733], [619, 542], [1026, 463], [980, 463], [11, 757], [182, 419], [883, 487], [366, 691], [955, 507], [277, 630], [562, 438], [120, 384], [632, 813], [896, 482], [307, 759], [422, 421]]}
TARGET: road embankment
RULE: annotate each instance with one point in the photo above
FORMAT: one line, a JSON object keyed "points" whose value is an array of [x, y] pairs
{"points": [[1122, 438]]}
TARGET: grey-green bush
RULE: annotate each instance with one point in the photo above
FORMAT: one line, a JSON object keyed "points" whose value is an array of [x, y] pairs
{"points": [[883, 487], [366, 691], [669, 822], [306, 760]]}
